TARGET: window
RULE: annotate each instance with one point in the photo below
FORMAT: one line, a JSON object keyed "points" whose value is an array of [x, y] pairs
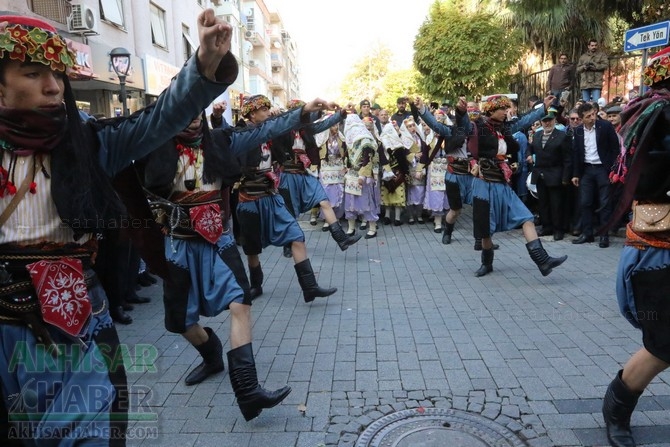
{"points": [[112, 11], [158, 35], [187, 42]]}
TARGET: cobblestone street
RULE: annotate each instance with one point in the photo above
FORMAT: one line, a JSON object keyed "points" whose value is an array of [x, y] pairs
{"points": [[411, 328]]}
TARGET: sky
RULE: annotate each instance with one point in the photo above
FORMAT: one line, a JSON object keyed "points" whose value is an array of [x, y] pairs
{"points": [[332, 36]]}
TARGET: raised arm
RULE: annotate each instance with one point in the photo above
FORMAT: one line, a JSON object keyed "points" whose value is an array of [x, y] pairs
{"points": [[535, 115], [203, 78], [323, 125], [462, 120], [246, 139]]}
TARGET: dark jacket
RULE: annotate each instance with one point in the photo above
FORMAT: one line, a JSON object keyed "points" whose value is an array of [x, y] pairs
{"points": [[553, 162], [560, 77], [606, 141]]}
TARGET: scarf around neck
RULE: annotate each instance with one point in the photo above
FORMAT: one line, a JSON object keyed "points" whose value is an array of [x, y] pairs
{"points": [[190, 137], [31, 130]]}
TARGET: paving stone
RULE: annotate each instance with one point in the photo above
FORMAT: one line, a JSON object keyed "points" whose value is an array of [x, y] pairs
{"points": [[539, 366]]}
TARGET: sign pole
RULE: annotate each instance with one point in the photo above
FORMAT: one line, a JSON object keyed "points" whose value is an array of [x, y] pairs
{"points": [[644, 64]]}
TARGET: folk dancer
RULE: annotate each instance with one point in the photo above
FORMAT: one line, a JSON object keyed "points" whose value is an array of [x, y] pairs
{"points": [[262, 213], [190, 177], [496, 207], [56, 195]]}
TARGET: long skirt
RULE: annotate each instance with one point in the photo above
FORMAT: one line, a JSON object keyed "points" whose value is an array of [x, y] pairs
{"points": [[335, 193], [396, 198], [643, 294], [496, 207], [459, 190], [266, 222], [205, 279], [301, 192], [436, 199], [416, 194], [364, 205], [76, 397]]}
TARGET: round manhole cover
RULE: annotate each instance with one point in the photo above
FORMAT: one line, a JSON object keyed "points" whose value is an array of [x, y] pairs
{"points": [[435, 427]]}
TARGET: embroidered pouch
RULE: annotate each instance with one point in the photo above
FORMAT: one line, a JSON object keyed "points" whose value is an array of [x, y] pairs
{"points": [[61, 290], [207, 221]]}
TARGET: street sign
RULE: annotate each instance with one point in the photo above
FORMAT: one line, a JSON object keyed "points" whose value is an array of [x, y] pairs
{"points": [[649, 36]]}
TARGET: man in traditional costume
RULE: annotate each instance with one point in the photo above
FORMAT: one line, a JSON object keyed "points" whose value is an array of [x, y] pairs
{"points": [[55, 195]]}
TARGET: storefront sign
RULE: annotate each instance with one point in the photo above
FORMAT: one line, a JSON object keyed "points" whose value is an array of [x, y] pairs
{"points": [[158, 74]]}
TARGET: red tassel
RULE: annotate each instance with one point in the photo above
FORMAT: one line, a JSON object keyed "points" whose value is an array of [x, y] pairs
{"points": [[11, 189], [33, 188]]}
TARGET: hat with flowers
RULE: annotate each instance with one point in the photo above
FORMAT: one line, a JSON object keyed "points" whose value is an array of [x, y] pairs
{"points": [[27, 39], [658, 68], [253, 103], [496, 102]]}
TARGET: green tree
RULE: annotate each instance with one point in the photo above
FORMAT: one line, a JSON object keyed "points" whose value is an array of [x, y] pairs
{"points": [[395, 84], [365, 77], [550, 27], [461, 51]]}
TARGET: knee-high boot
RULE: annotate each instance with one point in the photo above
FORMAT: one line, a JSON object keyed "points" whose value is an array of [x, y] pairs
{"points": [[487, 262], [540, 257], [251, 397], [448, 230], [212, 359], [618, 406], [307, 280], [343, 239], [256, 280]]}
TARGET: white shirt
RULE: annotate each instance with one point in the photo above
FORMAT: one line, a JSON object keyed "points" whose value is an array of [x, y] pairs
{"points": [[35, 219], [590, 147]]}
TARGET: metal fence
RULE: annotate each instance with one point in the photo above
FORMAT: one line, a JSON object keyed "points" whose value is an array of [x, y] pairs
{"points": [[622, 75]]}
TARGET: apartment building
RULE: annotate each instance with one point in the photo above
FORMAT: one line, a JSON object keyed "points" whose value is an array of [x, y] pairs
{"points": [[161, 35]]}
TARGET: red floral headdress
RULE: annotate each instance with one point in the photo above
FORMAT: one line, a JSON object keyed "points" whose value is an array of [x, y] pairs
{"points": [[658, 68], [496, 102], [27, 39], [253, 103], [295, 104]]}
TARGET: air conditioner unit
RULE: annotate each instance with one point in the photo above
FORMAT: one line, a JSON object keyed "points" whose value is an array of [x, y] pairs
{"points": [[82, 20]]}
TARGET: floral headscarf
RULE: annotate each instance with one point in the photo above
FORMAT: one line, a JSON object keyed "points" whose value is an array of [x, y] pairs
{"points": [[253, 103], [658, 68], [28, 39], [496, 102]]}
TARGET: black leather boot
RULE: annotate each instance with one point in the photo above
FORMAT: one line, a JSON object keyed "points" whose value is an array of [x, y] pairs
{"points": [[212, 359], [478, 245], [487, 263], [342, 239], [307, 280], [618, 406], [251, 397], [540, 257], [446, 235], [256, 280]]}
